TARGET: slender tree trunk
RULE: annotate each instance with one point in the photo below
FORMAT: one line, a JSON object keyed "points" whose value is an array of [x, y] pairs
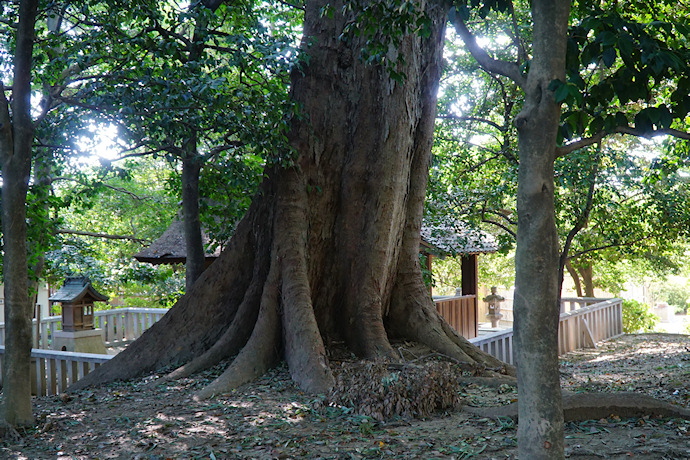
{"points": [[17, 138], [587, 274], [576, 278], [540, 429], [191, 169], [564, 260], [196, 254]]}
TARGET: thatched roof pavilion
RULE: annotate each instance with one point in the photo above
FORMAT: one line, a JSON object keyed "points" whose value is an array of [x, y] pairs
{"points": [[170, 247], [458, 240], [461, 241]]}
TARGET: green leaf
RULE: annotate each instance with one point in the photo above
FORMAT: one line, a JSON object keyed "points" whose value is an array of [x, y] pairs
{"points": [[609, 57], [607, 38], [561, 92], [665, 117], [653, 113], [621, 119], [591, 53], [642, 121], [596, 125]]}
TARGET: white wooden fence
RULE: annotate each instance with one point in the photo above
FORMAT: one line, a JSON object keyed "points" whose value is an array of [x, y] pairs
{"points": [[498, 344], [119, 325], [586, 322], [584, 327], [53, 371]]}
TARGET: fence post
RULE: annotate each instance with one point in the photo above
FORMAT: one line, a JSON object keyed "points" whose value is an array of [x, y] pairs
{"points": [[130, 332]]}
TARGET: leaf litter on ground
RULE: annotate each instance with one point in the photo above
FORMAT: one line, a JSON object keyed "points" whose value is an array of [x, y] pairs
{"points": [[272, 419]]}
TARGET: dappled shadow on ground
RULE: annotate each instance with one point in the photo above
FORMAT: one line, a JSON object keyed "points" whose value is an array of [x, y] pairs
{"points": [[272, 419]]}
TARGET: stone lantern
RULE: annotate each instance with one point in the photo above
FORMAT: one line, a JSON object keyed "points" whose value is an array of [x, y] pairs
{"points": [[494, 300], [78, 334]]}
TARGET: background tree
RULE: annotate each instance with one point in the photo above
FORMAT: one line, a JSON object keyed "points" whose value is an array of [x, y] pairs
{"points": [[614, 62], [202, 87], [107, 214], [611, 203], [39, 75], [617, 210], [17, 131]]}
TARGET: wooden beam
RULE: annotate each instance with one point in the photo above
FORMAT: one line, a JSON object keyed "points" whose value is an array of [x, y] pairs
{"points": [[470, 279]]}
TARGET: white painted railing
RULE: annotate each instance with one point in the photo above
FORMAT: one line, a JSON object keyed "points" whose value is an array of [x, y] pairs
{"points": [[569, 304], [586, 326], [497, 344], [119, 325], [126, 324], [53, 371], [586, 322]]}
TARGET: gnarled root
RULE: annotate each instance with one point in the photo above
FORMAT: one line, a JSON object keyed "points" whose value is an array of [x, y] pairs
{"points": [[261, 351], [594, 406], [235, 336], [305, 352], [413, 316]]}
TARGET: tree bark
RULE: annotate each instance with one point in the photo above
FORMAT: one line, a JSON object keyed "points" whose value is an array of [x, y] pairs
{"points": [[328, 251], [196, 254], [192, 162], [17, 137], [587, 274], [574, 275], [540, 430]]}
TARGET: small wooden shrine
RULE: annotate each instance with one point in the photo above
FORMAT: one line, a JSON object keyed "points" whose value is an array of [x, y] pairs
{"points": [[77, 297]]}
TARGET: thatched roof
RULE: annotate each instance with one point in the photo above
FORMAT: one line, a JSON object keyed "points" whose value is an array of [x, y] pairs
{"points": [[457, 240], [170, 247], [75, 289]]}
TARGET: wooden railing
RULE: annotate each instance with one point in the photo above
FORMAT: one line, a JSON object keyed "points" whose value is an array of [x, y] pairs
{"points": [[119, 325], [574, 303], [497, 344], [126, 324], [460, 312], [53, 371], [584, 325]]}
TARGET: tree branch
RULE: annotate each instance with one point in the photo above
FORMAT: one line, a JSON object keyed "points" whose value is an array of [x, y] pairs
{"points": [[607, 246], [108, 186], [104, 235], [598, 137], [584, 215], [501, 226], [507, 69], [502, 215], [522, 52], [477, 119]]}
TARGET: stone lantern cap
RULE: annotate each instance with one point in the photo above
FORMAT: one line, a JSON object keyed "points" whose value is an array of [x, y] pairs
{"points": [[493, 298], [76, 289]]}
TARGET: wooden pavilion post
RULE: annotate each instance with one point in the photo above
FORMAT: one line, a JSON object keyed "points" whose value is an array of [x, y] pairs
{"points": [[470, 281]]}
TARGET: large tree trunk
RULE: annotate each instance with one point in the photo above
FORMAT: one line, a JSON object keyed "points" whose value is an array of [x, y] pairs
{"points": [[15, 152], [540, 429], [328, 251]]}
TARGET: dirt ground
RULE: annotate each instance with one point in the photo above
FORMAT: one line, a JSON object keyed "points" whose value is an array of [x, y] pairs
{"points": [[271, 419]]}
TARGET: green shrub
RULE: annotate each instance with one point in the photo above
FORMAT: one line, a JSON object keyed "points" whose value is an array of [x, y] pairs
{"points": [[638, 316], [676, 295]]}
